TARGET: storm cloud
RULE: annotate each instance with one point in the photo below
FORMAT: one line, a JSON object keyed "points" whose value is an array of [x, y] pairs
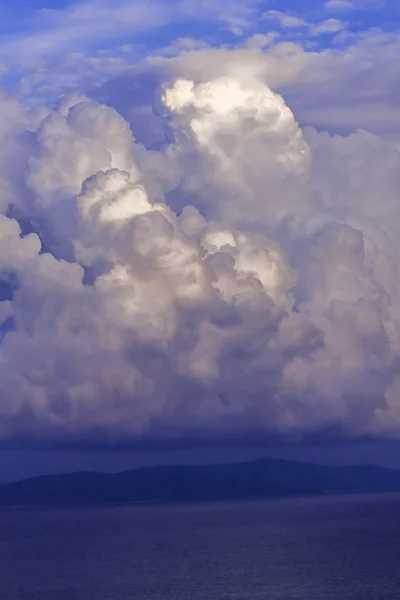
{"points": [[239, 280]]}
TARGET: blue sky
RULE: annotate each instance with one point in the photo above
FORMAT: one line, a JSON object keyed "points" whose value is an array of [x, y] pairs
{"points": [[98, 25], [21, 15]]}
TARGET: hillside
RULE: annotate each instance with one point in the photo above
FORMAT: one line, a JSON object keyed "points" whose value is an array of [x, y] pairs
{"points": [[266, 478]]}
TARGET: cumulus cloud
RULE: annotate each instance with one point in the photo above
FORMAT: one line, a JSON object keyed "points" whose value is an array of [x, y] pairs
{"points": [[339, 5], [285, 20], [335, 74], [238, 280], [340, 89], [328, 26]]}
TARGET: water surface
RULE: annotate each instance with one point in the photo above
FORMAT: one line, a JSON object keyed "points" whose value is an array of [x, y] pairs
{"points": [[345, 548]]}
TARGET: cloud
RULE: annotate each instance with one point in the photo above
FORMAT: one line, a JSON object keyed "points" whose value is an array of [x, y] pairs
{"points": [[285, 20], [237, 281], [315, 83], [180, 260], [84, 52], [339, 5], [328, 26], [50, 33]]}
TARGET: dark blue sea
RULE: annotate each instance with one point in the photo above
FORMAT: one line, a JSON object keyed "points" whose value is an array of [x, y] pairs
{"points": [[337, 548]]}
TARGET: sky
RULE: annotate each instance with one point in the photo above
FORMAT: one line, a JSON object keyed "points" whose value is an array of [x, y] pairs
{"points": [[199, 232]]}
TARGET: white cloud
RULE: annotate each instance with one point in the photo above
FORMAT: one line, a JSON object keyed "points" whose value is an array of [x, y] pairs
{"points": [[339, 5], [81, 25], [198, 264], [285, 20], [241, 280], [328, 26], [261, 41], [318, 84]]}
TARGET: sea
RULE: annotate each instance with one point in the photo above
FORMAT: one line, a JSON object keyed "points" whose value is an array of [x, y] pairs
{"points": [[330, 548]]}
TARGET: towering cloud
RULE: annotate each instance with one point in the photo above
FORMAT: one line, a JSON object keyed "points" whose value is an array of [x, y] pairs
{"points": [[240, 281]]}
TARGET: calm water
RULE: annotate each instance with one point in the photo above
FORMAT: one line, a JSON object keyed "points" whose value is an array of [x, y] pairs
{"points": [[330, 549]]}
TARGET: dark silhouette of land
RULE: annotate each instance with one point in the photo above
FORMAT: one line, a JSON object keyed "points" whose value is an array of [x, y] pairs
{"points": [[266, 478]]}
